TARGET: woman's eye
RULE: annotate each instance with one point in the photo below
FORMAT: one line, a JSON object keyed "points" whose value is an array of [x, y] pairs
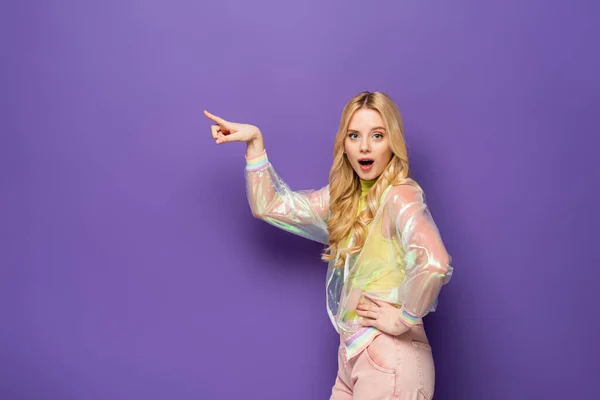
{"points": [[353, 136], [378, 135]]}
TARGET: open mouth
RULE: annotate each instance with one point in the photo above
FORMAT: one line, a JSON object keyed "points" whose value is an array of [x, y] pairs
{"points": [[366, 163]]}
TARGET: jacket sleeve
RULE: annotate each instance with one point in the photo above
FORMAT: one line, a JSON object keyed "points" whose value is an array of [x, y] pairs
{"points": [[303, 213], [426, 261]]}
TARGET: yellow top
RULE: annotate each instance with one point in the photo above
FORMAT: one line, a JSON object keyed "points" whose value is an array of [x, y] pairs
{"points": [[376, 270]]}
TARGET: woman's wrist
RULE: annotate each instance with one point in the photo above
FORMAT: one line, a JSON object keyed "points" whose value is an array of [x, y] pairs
{"points": [[257, 161], [255, 146]]}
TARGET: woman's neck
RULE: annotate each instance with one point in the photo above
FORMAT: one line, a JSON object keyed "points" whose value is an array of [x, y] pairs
{"points": [[365, 186]]}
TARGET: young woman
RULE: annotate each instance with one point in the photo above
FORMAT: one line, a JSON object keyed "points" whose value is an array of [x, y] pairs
{"points": [[387, 262]]}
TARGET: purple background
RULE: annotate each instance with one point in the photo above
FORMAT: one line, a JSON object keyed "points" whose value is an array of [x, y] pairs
{"points": [[132, 268]]}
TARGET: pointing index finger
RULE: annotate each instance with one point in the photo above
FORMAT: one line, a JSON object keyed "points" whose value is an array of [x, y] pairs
{"points": [[218, 120]]}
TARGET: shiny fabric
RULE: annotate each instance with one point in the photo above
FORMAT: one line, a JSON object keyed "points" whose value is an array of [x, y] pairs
{"points": [[403, 260]]}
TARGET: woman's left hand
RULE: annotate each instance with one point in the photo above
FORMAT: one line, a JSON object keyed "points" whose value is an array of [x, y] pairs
{"points": [[380, 315]]}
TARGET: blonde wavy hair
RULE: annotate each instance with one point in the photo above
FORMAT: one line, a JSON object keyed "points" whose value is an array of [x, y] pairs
{"points": [[344, 183]]}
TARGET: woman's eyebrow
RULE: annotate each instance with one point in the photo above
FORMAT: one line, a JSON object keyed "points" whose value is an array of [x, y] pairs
{"points": [[380, 128]]}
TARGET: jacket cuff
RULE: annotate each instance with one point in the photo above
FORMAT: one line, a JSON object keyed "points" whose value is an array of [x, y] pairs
{"points": [[408, 319], [257, 162]]}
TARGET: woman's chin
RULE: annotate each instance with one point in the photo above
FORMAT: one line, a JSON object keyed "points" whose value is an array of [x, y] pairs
{"points": [[367, 176]]}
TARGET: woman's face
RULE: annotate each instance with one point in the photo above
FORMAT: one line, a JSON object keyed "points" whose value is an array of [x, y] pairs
{"points": [[366, 144]]}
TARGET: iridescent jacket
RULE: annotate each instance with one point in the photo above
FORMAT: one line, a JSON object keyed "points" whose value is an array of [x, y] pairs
{"points": [[403, 260]]}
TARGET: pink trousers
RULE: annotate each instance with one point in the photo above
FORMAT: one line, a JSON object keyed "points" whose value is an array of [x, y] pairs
{"points": [[391, 367]]}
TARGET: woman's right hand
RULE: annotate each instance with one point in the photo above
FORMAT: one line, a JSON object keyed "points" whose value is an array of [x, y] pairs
{"points": [[225, 131]]}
